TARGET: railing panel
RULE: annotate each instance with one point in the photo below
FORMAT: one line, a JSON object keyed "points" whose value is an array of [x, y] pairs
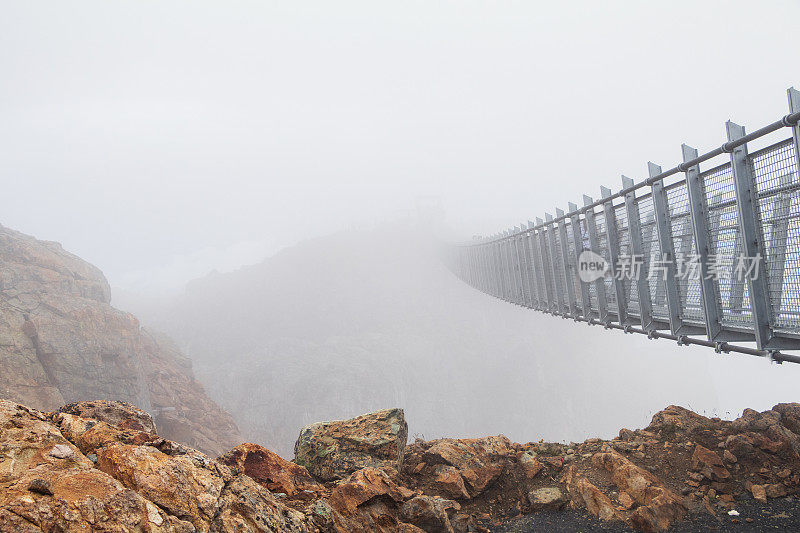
{"points": [[557, 265], [651, 252], [626, 253], [725, 245], [602, 243], [776, 177], [561, 269], [685, 253], [572, 266]]}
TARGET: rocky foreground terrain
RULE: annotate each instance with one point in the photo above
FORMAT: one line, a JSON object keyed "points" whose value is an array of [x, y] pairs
{"points": [[61, 341], [100, 466]]}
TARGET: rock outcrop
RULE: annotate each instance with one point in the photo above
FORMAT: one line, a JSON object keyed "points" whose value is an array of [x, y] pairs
{"points": [[48, 484], [101, 466], [271, 470], [333, 450], [61, 341]]}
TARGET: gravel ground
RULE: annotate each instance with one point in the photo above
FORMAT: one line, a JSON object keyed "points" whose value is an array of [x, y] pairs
{"points": [[777, 515]]}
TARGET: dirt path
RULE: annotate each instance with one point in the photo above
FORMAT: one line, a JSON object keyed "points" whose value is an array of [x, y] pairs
{"points": [[777, 515]]}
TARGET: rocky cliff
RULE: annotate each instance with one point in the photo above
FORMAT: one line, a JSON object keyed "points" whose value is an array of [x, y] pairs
{"points": [[61, 341]]}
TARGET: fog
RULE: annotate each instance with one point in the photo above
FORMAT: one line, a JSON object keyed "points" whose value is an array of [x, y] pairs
{"points": [[287, 146]]}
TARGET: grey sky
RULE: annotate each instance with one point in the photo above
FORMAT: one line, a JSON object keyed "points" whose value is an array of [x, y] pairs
{"points": [[161, 139]]}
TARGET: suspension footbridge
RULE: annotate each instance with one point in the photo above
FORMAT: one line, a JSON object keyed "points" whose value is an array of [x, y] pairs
{"points": [[705, 253]]}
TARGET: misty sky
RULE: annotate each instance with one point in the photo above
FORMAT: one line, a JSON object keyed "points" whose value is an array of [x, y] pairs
{"points": [[159, 140]]}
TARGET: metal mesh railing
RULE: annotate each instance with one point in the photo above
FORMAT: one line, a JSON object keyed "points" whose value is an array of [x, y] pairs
{"points": [[714, 251], [602, 243], [775, 172], [680, 220], [624, 239], [726, 245], [572, 267], [651, 252], [559, 272]]}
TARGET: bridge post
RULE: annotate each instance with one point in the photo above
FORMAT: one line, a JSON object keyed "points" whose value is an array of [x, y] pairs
{"points": [[794, 107], [577, 238], [709, 289], [635, 233], [526, 266], [498, 262], [463, 261], [569, 278], [752, 241], [532, 268], [516, 269], [497, 273], [667, 248], [507, 267], [512, 282], [546, 268], [781, 211], [527, 294], [487, 266], [599, 284], [554, 258], [484, 269], [471, 263], [529, 259], [491, 268], [538, 270], [518, 264], [612, 239], [524, 287], [520, 294], [477, 258]]}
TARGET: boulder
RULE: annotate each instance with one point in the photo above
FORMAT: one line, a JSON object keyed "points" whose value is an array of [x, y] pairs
{"points": [[120, 414], [479, 461], [364, 485], [79, 498], [584, 493], [334, 450], [464, 523], [47, 484], [759, 493], [709, 464], [790, 416], [675, 419], [658, 508], [89, 434], [367, 501], [402, 527], [776, 490], [767, 432], [431, 514], [29, 439], [245, 506], [270, 470], [625, 500], [529, 464], [186, 486], [740, 446], [449, 482], [546, 498]]}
